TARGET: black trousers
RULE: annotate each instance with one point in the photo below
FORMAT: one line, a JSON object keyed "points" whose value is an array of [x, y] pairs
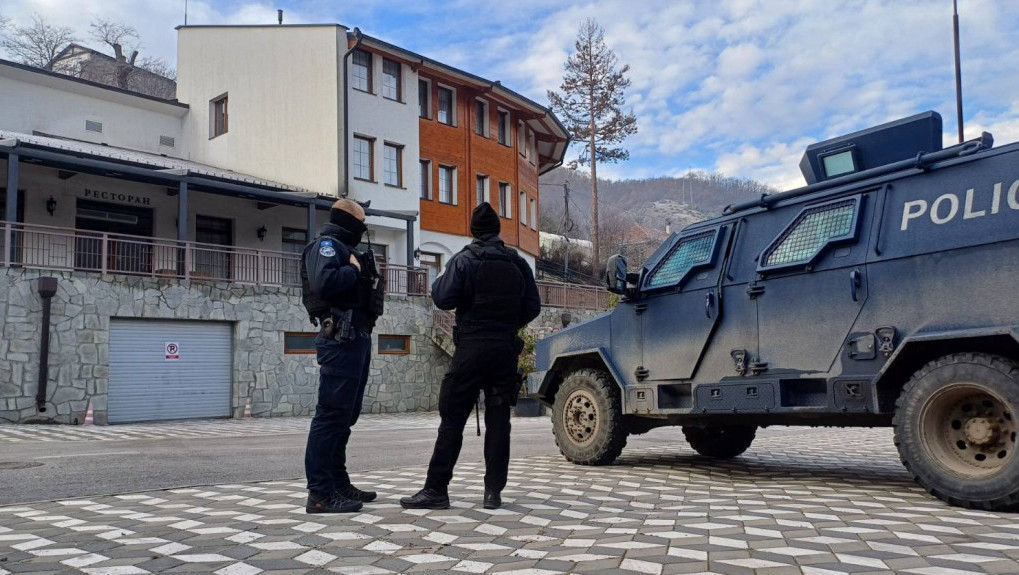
{"points": [[479, 363], [343, 375]]}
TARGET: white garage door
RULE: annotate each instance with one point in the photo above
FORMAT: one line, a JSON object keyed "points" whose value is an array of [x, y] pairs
{"points": [[169, 370]]}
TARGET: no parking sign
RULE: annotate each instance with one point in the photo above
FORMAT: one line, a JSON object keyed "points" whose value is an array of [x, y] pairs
{"points": [[172, 351]]}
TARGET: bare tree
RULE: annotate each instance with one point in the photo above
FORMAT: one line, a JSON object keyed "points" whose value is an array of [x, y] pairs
{"points": [[158, 66], [116, 35], [38, 44], [591, 100]]}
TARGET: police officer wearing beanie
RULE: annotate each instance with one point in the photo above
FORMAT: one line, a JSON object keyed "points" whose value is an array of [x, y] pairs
{"points": [[342, 294], [494, 294]]}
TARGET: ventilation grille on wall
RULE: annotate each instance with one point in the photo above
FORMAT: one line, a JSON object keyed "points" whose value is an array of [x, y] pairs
{"points": [[93, 126], [166, 141]]}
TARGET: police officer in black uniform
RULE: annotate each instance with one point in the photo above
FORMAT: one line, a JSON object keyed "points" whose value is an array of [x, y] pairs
{"points": [[493, 291], [343, 295]]}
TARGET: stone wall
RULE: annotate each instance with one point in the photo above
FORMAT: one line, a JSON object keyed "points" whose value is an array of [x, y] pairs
{"points": [[277, 384]]}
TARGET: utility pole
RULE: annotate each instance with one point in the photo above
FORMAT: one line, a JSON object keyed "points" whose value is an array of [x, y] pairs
{"points": [[566, 223]]}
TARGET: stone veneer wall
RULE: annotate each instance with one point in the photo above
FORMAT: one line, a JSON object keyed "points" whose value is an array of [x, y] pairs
{"points": [[277, 384]]}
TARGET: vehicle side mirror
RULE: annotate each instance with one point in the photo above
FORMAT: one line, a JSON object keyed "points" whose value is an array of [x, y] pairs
{"points": [[615, 274]]}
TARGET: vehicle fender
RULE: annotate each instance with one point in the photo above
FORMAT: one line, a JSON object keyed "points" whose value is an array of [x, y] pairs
{"points": [[546, 392], [914, 351]]}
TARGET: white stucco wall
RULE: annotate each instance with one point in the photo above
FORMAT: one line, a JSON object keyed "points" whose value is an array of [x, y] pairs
{"points": [[396, 122], [284, 89], [57, 106]]}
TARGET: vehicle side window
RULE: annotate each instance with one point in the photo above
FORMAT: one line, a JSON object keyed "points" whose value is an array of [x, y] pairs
{"points": [[815, 228], [688, 253]]}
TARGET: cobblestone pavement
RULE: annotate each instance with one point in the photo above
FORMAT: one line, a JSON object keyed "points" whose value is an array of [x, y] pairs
{"points": [[202, 428], [839, 503]]}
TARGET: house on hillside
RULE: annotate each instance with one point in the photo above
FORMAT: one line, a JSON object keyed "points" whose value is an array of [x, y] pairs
{"points": [[173, 227], [88, 64]]}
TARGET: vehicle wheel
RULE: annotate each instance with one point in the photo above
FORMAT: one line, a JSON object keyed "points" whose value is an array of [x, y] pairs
{"points": [[587, 418], [955, 429], [722, 442]]}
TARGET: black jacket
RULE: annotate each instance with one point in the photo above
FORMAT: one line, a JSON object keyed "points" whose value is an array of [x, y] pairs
{"points": [[331, 276], [454, 289]]}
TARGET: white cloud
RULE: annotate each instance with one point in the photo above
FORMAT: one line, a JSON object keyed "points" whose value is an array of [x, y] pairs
{"points": [[735, 85]]}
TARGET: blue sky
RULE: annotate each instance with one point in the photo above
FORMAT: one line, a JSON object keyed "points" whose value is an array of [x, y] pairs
{"points": [[736, 86]]}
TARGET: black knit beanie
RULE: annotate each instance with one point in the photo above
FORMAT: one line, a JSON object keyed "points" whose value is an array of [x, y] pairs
{"points": [[484, 221]]}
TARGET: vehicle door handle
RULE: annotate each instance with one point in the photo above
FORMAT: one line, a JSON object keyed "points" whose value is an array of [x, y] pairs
{"points": [[709, 303], [855, 281]]}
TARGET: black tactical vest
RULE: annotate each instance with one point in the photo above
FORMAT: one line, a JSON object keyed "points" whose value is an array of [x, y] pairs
{"points": [[498, 287], [316, 306]]}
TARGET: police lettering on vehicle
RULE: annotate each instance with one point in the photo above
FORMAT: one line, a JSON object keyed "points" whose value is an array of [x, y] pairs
{"points": [[972, 205], [326, 248]]}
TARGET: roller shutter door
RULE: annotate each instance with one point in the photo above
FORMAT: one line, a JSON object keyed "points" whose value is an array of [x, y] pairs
{"points": [[146, 385]]}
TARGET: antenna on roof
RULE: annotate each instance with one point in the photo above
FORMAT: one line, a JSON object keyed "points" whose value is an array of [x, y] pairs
{"points": [[279, 16], [958, 66], [185, 12]]}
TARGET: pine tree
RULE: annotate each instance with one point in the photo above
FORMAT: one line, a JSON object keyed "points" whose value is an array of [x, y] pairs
{"points": [[590, 104]]}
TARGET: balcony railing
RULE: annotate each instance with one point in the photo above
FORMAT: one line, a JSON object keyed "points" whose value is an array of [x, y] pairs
{"points": [[573, 296], [45, 247]]}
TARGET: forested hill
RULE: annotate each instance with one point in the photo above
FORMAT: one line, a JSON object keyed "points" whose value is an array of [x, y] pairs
{"points": [[651, 202]]}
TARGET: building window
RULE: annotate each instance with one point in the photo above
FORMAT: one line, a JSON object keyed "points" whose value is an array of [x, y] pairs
{"points": [[504, 137], [212, 263], [433, 263], [424, 98], [391, 80], [426, 180], [392, 165], [446, 111], [505, 209], [521, 140], [523, 208], [534, 214], [363, 162], [362, 73], [446, 183], [220, 115], [481, 118], [394, 344], [294, 241], [532, 147], [299, 342], [381, 251], [482, 190]]}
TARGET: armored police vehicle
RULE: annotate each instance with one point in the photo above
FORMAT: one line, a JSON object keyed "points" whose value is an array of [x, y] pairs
{"points": [[884, 293]]}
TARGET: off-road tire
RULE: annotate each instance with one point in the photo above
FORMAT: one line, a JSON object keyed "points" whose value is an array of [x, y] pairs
{"points": [[955, 429], [584, 394], [721, 442]]}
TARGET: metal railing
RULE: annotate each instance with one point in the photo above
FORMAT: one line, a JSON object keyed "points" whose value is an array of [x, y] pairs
{"points": [[573, 296], [45, 247], [443, 321], [405, 280]]}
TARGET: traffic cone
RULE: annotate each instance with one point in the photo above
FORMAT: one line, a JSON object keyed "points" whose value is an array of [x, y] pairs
{"points": [[88, 414], [247, 408]]}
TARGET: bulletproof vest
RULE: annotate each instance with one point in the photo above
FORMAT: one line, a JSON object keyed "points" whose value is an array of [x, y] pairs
{"points": [[316, 306], [498, 287]]}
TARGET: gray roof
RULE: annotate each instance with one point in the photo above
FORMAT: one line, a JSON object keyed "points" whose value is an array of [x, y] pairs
{"points": [[156, 161]]}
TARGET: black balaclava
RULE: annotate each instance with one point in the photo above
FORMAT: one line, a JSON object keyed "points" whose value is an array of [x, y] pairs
{"points": [[484, 221], [351, 228]]}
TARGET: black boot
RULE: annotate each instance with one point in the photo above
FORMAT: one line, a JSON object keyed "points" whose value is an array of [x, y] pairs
{"points": [[492, 499], [356, 494], [426, 499], [335, 503]]}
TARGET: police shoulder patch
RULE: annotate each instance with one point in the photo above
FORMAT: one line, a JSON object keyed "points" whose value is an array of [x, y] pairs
{"points": [[326, 248]]}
